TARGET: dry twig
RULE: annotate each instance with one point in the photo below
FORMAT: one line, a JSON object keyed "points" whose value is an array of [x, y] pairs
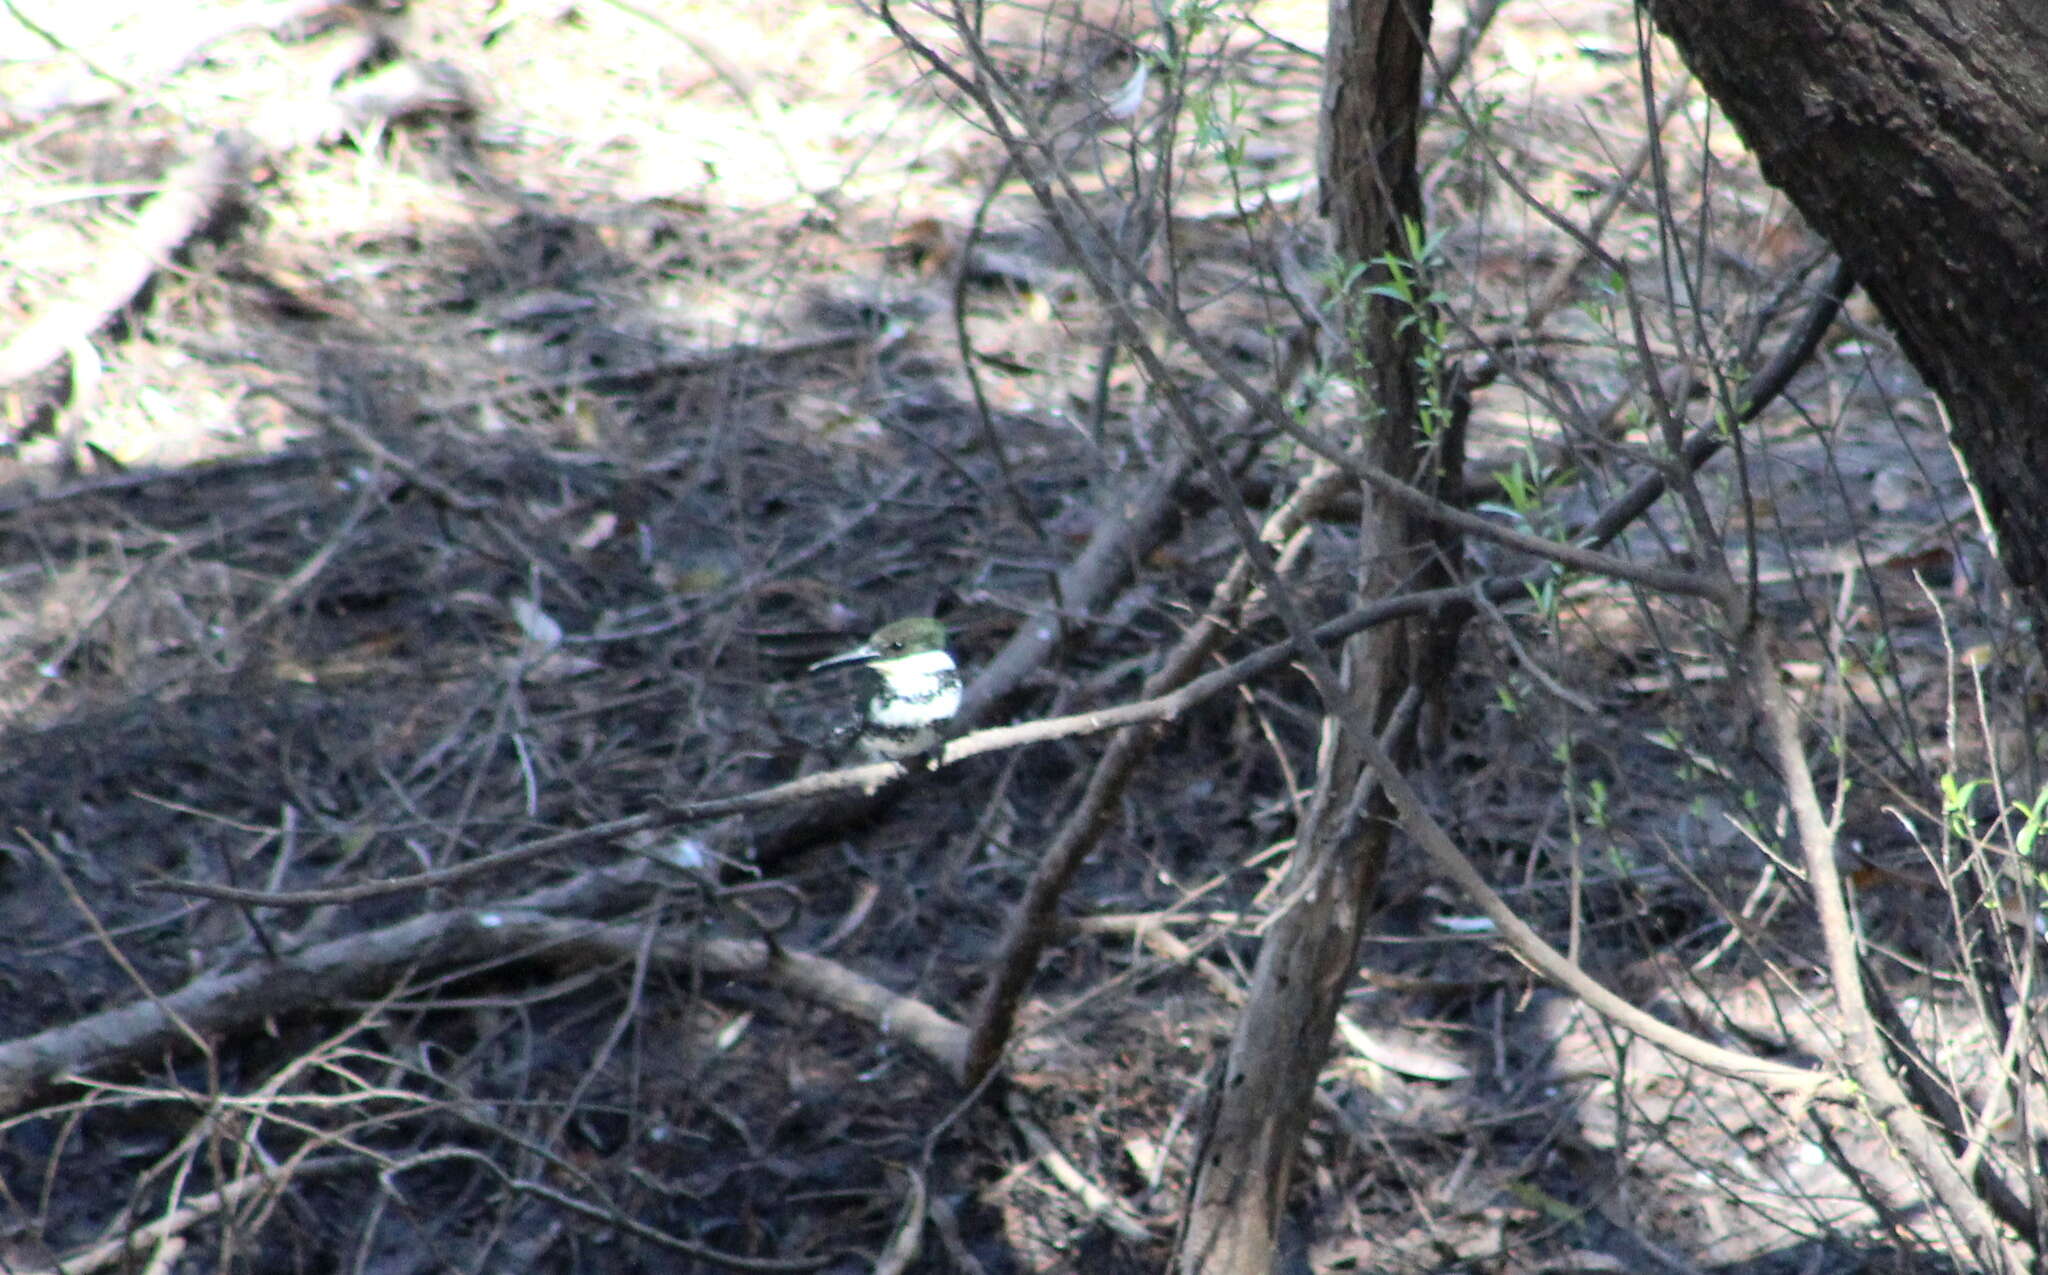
{"points": [[191, 197]]}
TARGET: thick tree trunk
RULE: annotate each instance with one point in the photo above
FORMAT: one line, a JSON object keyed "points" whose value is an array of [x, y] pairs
{"points": [[1263, 1096], [1914, 135]]}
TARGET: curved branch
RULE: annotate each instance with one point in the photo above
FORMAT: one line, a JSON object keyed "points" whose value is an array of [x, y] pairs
{"points": [[518, 929]]}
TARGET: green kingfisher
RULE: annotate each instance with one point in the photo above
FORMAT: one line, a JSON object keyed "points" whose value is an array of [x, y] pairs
{"points": [[916, 690]]}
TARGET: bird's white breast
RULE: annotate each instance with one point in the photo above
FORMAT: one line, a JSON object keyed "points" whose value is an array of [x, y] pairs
{"points": [[923, 688]]}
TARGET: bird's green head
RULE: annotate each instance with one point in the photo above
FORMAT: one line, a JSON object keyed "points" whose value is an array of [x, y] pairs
{"points": [[916, 636]]}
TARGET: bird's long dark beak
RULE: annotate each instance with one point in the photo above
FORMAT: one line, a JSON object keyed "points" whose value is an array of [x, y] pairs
{"points": [[858, 655]]}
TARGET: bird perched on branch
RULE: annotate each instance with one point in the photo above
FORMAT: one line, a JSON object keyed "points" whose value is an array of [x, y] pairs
{"points": [[916, 688]]}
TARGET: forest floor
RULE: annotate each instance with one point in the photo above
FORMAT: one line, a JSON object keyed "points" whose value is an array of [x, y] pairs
{"points": [[490, 468]]}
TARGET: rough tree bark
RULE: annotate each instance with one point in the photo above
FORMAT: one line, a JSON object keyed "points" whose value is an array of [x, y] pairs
{"points": [[1266, 1086], [1914, 135]]}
